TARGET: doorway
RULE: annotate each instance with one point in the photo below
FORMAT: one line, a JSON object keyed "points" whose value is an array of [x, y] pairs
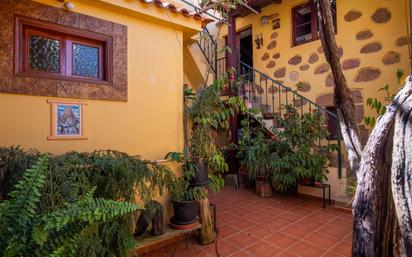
{"points": [[245, 40]]}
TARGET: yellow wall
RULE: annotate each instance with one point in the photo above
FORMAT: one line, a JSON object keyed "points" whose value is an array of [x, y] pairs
{"points": [[386, 34], [149, 124]]}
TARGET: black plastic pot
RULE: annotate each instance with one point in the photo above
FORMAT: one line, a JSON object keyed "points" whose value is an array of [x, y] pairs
{"points": [[141, 225], [185, 212], [201, 177]]}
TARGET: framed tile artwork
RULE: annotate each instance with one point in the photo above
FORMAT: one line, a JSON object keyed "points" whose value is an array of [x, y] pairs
{"points": [[67, 120]]}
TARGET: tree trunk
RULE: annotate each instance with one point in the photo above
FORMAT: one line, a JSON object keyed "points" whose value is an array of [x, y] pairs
{"points": [[207, 232], [343, 101], [402, 176], [377, 231]]}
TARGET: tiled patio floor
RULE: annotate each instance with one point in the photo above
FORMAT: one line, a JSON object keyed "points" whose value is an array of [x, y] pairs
{"points": [[277, 226]]}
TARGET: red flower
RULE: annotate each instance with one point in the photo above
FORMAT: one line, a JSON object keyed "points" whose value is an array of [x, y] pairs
{"points": [[232, 77]]}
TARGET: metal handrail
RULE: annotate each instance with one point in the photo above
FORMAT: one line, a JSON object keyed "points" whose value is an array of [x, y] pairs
{"points": [[288, 89]]}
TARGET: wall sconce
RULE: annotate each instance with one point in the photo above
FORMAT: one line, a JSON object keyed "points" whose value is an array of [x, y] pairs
{"points": [[68, 6], [264, 20], [259, 40]]}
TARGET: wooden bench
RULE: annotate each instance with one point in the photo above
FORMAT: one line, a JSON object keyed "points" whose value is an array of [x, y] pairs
{"points": [[148, 243]]}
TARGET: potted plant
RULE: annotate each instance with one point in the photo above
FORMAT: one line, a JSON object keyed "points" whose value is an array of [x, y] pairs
{"points": [[297, 155], [184, 199], [254, 153]]}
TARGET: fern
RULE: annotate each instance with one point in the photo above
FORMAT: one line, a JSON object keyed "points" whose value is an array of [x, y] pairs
{"points": [[17, 214], [56, 233]]}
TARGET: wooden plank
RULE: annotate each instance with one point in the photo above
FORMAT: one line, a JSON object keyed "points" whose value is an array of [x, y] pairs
{"points": [[148, 243]]}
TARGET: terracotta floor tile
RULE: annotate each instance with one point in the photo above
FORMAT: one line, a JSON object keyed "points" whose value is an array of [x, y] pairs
{"points": [[263, 249], [281, 239], [323, 217], [227, 218], [320, 240], [272, 211], [343, 249], [224, 248], [241, 223], [242, 240], [332, 254], [348, 238], [296, 231], [242, 254], [333, 231], [242, 212], [258, 217], [261, 230], [227, 230], [285, 226], [345, 223], [306, 250], [290, 216], [303, 210], [277, 224], [309, 224], [286, 254]]}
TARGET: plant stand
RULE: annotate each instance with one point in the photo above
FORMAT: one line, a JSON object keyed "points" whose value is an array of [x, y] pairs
{"points": [[263, 189], [323, 187]]}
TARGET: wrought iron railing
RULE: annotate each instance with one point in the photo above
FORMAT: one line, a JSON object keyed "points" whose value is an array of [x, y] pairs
{"points": [[270, 96], [208, 47]]}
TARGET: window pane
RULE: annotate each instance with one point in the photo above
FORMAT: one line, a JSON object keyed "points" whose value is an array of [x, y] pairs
{"points": [[304, 33], [303, 15], [44, 54], [85, 61]]}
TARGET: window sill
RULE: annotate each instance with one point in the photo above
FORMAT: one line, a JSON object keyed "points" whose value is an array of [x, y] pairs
{"points": [[41, 75]]}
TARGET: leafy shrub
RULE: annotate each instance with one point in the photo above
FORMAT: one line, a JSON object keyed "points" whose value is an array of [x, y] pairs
{"points": [[292, 154], [27, 232], [113, 175], [379, 107]]}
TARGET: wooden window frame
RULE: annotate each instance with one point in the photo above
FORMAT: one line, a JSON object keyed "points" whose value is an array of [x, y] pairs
{"points": [[24, 27], [313, 21]]}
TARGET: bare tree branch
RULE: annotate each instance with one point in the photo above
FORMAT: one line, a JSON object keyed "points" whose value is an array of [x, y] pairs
{"points": [[343, 101]]}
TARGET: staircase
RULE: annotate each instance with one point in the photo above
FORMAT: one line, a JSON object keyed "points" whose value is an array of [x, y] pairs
{"points": [[268, 95]]}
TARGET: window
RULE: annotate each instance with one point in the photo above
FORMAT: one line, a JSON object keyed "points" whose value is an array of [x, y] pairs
{"points": [[53, 51], [305, 22], [332, 122]]}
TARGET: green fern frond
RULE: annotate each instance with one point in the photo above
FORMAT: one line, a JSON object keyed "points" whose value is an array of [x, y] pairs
{"points": [[17, 214]]}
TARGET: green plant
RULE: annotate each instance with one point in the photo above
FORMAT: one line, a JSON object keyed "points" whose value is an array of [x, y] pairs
{"points": [[379, 107], [254, 152], [299, 153], [207, 113], [13, 162], [291, 155], [113, 174], [27, 231], [222, 6]]}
